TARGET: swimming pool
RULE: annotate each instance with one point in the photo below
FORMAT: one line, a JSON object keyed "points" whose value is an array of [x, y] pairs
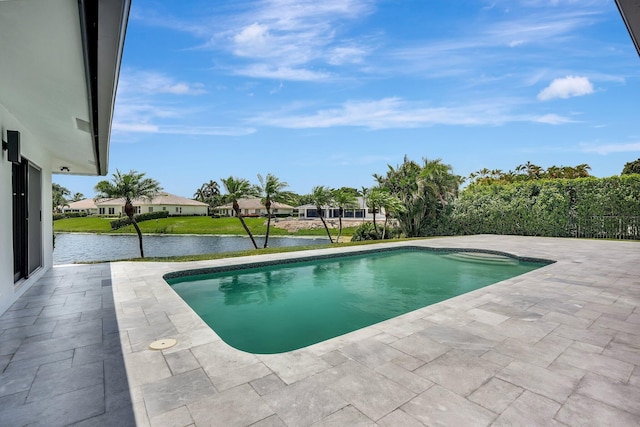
{"points": [[282, 307]]}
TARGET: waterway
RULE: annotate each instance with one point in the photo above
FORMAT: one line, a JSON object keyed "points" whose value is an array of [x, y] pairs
{"points": [[81, 247]]}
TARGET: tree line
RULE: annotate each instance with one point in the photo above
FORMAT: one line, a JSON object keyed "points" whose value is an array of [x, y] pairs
{"points": [[419, 196]]}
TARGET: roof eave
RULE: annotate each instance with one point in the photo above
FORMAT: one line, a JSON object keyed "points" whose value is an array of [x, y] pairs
{"points": [[103, 27], [630, 12]]}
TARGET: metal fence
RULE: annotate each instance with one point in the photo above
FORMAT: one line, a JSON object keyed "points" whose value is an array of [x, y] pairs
{"points": [[609, 227]]}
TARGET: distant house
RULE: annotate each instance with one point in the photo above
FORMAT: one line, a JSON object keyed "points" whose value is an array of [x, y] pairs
{"points": [[87, 206], [254, 207], [171, 203], [360, 212]]}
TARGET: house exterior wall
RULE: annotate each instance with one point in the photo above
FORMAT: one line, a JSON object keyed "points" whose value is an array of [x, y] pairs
{"points": [[174, 210], [92, 211], [254, 211], [310, 211], [36, 152]]}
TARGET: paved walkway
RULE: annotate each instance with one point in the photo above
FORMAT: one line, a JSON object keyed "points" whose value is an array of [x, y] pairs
{"points": [[557, 346]]}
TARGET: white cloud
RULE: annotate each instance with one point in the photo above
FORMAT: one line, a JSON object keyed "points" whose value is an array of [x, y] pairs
{"points": [[395, 112], [134, 127], [553, 119], [612, 148], [155, 83], [281, 73], [276, 36], [181, 129], [567, 87]]}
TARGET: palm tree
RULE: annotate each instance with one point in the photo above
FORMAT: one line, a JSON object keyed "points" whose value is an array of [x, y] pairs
{"points": [[58, 197], [344, 200], [77, 197], [533, 170], [130, 186], [239, 188], [423, 190], [376, 201], [322, 197], [209, 193], [199, 195], [364, 192], [582, 170], [272, 189], [392, 206]]}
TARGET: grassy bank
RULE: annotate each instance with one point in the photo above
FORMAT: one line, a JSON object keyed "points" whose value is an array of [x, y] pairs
{"points": [[251, 252], [186, 225]]}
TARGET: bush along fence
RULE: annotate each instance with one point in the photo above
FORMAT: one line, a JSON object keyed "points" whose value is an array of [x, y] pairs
{"points": [[587, 207], [123, 222], [57, 216]]}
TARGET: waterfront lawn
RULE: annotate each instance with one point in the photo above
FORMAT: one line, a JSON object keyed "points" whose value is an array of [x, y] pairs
{"points": [[186, 225]]}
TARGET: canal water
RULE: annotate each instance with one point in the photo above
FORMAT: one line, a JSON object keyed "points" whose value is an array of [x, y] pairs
{"points": [[79, 247]]}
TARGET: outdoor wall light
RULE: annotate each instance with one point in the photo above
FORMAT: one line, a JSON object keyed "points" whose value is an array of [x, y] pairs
{"points": [[12, 145]]}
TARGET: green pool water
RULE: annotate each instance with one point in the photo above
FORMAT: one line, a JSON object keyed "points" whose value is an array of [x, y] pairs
{"points": [[284, 307]]}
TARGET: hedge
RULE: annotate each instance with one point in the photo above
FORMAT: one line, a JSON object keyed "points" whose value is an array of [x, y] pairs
{"points": [[57, 216], [123, 222], [585, 207]]}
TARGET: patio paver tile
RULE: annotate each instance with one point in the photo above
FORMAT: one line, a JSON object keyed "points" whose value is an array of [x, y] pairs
{"points": [[179, 417], [406, 378], [613, 393], [440, 407], [348, 416], [267, 384], [583, 411], [399, 418], [371, 393], [538, 380], [305, 402], [272, 421], [421, 347], [496, 395], [294, 366], [179, 390], [598, 364], [181, 361], [240, 376], [446, 371], [529, 409], [240, 406]]}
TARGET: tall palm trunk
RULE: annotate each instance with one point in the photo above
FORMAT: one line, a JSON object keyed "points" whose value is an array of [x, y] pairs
{"points": [[375, 226], [319, 209], [135, 225], [340, 213], [384, 227], [129, 211], [236, 208], [267, 205]]}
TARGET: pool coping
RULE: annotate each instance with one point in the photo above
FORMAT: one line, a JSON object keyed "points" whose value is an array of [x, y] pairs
{"points": [[355, 252], [221, 377]]}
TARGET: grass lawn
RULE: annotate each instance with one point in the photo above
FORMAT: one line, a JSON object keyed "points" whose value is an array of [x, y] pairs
{"points": [[186, 225]]}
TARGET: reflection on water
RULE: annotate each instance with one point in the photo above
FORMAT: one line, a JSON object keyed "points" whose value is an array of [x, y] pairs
{"points": [[77, 247]]}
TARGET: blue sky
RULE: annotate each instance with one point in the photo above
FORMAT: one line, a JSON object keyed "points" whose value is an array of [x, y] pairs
{"points": [[329, 92]]}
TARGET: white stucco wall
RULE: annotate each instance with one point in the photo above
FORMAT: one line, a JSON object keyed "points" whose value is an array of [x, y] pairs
{"points": [[37, 153]]}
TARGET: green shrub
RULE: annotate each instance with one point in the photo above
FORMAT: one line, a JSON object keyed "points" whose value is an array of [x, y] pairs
{"points": [[57, 216], [366, 231], [123, 222], [585, 207]]}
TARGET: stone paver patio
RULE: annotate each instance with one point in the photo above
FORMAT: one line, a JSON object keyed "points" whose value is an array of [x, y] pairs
{"points": [[557, 346]]}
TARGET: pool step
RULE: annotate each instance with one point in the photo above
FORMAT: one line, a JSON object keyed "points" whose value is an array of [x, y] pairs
{"points": [[481, 257]]}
